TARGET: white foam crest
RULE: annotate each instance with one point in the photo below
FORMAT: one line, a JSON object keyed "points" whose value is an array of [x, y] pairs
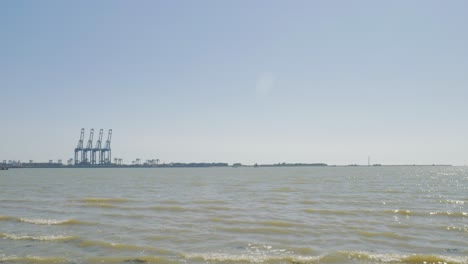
{"points": [[266, 249], [375, 257], [458, 228], [459, 202], [36, 238], [39, 221], [403, 212], [248, 258], [255, 253], [406, 258], [450, 213]]}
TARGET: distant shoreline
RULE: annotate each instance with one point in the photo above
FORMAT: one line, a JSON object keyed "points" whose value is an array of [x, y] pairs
{"points": [[207, 165]]}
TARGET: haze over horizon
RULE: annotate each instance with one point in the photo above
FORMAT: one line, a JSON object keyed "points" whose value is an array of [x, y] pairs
{"points": [[237, 81]]}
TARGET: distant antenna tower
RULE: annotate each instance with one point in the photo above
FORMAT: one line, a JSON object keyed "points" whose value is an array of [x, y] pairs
{"points": [[368, 160]]}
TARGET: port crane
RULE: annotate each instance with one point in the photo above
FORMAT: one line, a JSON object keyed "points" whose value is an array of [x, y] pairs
{"points": [[89, 155], [106, 151], [89, 147], [79, 148], [97, 148]]}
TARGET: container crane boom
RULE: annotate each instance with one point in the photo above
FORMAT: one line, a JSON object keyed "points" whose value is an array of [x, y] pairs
{"points": [[98, 143], [109, 138], [106, 151], [90, 141], [80, 142]]}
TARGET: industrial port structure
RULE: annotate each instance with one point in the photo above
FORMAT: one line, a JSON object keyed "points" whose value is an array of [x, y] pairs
{"points": [[97, 155]]}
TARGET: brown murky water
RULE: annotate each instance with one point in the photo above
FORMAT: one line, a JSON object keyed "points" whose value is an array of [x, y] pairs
{"points": [[235, 215]]}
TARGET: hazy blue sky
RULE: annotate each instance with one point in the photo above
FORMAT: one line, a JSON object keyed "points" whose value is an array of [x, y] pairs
{"points": [[237, 81]]}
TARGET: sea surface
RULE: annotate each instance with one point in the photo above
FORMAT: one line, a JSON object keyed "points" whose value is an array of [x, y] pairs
{"points": [[235, 215]]}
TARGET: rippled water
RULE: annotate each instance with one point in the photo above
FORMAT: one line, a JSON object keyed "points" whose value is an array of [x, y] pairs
{"points": [[235, 215]]}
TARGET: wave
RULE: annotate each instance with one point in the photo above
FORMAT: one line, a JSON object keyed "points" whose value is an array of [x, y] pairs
{"points": [[208, 202], [160, 237], [226, 220], [402, 212], [217, 208], [56, 260], [269, 223], [39, 221], [44, 221], [284, 189], [130, 260], [392, 191], [381, 234], [103, 200], [101, 205], [37, 238], [170, 208], [454, 214], [458, 202], [309, 202], [457, 228], [303, 250], [16, 201], [401, 258], [277, 223], [413, 213], [32, 259], [6, 218], [131, 216], [176, 239], [121, 247], [259, 230], [169, 201], [333, 212], [249, 258], [339, 257]]}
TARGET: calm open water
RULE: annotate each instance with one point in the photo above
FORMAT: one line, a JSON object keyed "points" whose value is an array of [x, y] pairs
{"points": [[235, 215]]}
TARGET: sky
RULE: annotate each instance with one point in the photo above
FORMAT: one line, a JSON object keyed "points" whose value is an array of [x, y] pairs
{"points": [[261, 81]]}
